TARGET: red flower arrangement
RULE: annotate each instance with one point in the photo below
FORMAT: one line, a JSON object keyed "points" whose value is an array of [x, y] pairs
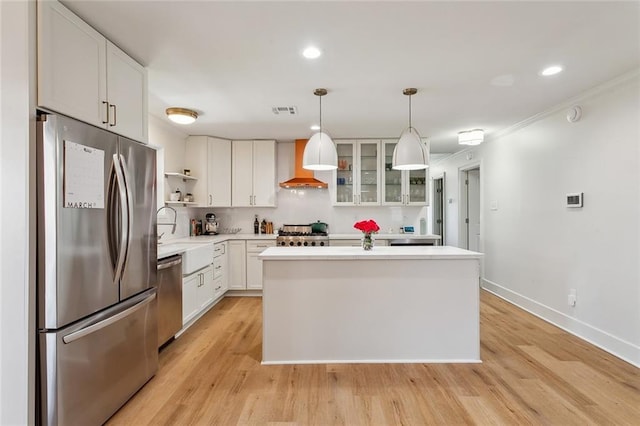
{"points": [[367, 226]]}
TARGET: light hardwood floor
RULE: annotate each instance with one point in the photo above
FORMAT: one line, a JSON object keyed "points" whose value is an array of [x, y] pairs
{"points": [[532, 373]]}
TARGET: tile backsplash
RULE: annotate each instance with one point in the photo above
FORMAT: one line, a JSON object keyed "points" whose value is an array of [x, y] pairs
{"points": [[296, 206]]}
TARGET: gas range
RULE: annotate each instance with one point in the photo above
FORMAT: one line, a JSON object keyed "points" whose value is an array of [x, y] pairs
{"points": [[301, 236]]}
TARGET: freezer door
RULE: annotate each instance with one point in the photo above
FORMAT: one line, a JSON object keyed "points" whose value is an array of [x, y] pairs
{"points": [[75, 266], [139, 168], [89, 370]]}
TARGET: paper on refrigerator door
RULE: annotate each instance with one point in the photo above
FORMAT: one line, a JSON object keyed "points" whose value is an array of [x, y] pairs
{"points": [[83, 176]]}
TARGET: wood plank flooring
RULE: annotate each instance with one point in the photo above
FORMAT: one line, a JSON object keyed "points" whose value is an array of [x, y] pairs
{"points": [[532, 373]]}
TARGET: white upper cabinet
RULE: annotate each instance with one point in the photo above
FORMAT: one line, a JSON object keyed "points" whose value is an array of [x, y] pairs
{"points": [[210, 159], [402, 187], [82, 75], [253, 182], [126, 94], [357, 179]]}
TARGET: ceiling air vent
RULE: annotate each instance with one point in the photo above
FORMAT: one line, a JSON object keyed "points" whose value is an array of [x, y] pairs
{"points": [[284, 110]]}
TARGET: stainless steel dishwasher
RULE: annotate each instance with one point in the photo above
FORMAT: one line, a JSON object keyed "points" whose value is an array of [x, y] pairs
{"points": [[169, 298]]}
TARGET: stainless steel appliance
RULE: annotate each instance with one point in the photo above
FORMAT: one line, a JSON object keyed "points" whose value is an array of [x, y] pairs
{"points": [[301, 236], [96, 271], [169, 298], [414, 242]]}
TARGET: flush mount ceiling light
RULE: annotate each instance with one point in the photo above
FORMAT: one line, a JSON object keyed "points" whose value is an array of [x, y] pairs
{"points": [[314, 127], [181, 115], [552, 70], [410, 153], [471, 137], [311, 52], [320, 151]]}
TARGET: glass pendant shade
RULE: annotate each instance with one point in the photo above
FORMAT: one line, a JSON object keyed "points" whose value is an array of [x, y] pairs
{"points": [[320, 153], [410, 153]]}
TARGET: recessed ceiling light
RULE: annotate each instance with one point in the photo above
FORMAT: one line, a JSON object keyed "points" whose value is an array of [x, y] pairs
{"points": [[552, 70], [311, 52], [315, 127]]}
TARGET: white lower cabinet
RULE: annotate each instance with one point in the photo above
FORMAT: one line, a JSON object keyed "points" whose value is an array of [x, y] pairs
{"points": [[197, 293], [237, 265], [220, 270], [254, 264]]}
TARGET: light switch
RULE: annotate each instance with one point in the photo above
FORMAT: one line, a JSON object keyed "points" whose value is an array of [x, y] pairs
{"points": [[494, 205]]}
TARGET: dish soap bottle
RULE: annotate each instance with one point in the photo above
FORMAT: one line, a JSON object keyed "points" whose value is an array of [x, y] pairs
{"points": [[256, 225]]}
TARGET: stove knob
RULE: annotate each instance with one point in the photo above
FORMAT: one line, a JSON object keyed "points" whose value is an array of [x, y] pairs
{"points": [[306, 243], [282, 243], [313, 243], [321, 243], [291, 243], [299, 243]]}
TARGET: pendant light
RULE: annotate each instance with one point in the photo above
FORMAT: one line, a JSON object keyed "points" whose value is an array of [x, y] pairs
{"points": [[320, 151], [410, 153]]}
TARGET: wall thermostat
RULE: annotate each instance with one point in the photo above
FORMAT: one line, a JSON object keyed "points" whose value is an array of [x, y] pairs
{"points": [[574, 199]]}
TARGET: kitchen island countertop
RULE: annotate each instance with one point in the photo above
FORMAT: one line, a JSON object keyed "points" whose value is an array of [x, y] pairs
{"points": [[377, 253]]}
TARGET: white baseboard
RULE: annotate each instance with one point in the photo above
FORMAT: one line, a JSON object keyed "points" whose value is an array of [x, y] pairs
{"points": [[605, 341]]}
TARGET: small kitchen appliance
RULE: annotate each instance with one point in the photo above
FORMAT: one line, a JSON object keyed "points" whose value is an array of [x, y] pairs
{"points": [[303, 236], [210, 224]]}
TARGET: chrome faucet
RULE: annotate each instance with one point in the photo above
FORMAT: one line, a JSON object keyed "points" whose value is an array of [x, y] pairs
{"points": [[175, 218]]}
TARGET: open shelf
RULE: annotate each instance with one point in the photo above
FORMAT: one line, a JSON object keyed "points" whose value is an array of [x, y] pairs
{"points": [[185, 203], [180, 176]]}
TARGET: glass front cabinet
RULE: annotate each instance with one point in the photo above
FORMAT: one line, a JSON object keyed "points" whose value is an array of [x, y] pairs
{"points": [[402, 187], [357, 179]]}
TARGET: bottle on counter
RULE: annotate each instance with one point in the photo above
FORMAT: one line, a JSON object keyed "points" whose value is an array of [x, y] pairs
{"points": [[256, 225], [263, 226]]}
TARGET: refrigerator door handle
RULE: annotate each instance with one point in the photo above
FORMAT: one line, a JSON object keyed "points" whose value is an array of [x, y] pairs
{"points": [[106, 322], [128, 191], [124, 223]]}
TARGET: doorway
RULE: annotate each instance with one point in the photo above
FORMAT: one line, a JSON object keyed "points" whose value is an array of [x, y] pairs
{"points": [[438, 208], [470, 208]]}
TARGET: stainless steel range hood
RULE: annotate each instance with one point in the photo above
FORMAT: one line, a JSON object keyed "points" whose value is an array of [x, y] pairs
{"points": [[302, 178]]}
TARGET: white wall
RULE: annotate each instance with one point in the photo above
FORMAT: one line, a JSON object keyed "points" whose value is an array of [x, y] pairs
{"points": [[536, 249], [17, 326], [170, 146]]}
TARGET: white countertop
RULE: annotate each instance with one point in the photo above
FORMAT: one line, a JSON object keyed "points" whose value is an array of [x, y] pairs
{"points": [[377, 253], [180, 245]]}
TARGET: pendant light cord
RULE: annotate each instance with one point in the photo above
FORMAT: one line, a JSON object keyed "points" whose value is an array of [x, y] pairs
{"points": [[409, 112], [320, 113]]}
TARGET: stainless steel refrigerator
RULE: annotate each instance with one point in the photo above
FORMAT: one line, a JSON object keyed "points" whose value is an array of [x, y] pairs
{"points": [[96, 270]]}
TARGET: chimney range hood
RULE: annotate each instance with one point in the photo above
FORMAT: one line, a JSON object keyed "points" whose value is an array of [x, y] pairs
{"points": [[302, 178]]}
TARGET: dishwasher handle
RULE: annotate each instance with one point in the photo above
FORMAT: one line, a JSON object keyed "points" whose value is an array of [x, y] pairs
{"points": [[172, 261]]}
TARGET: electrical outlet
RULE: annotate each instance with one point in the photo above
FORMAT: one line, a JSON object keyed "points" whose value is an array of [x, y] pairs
{"points": [[573, 297]]}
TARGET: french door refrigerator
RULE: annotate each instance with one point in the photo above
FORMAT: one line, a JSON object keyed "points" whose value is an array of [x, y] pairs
{"points": [[96, 271]]}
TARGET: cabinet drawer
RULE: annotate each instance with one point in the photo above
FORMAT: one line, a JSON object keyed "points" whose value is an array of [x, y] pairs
{"points": [[259, 246], [219, 287], [219, 266], [219, 250]]}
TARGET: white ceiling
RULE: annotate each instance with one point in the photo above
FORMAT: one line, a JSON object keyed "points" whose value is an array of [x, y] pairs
{"points": [[475, 63]]}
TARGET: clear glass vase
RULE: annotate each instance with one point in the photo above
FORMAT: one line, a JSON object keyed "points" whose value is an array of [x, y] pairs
{"points": [[367, 241]]}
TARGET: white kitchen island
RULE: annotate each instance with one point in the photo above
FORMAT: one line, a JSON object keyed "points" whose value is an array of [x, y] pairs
{"points": [[390, 304]]}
